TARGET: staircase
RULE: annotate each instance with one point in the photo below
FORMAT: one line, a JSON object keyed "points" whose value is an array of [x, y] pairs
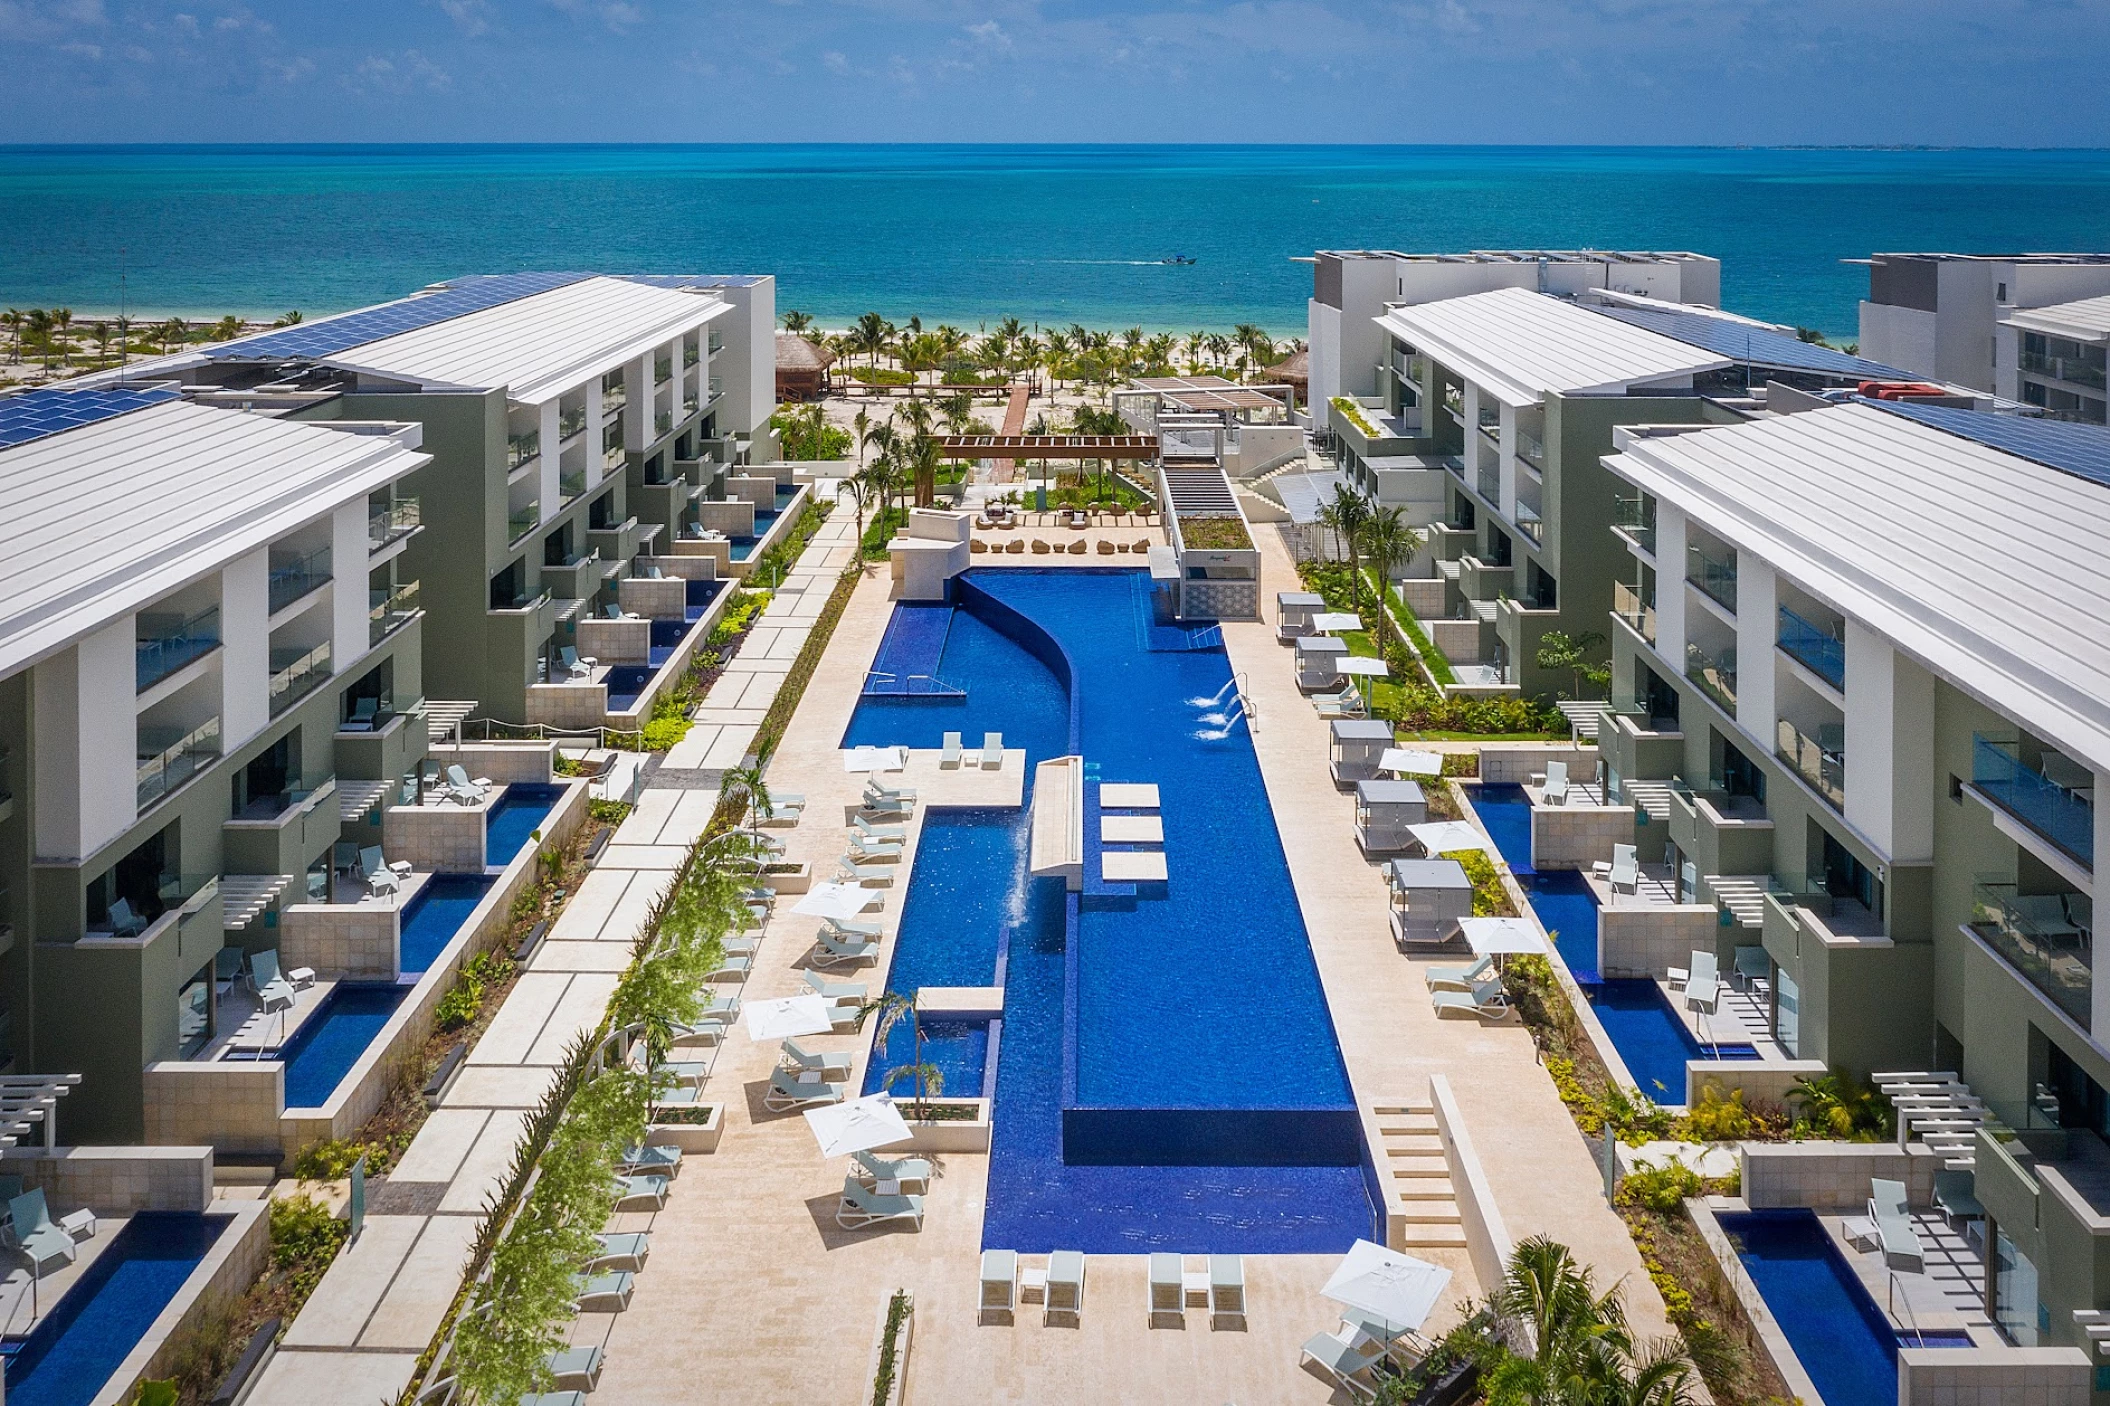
{"points": [[1744, 895], [1652, 796], [1583, 716], [1939, 1110], [1411, 1153]]}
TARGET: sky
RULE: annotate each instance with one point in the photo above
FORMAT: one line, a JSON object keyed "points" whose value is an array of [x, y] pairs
{"points": [[1643, 72]]}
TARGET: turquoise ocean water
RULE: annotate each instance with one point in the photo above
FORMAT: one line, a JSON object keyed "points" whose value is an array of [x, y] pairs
{"points": [[967, 233]]}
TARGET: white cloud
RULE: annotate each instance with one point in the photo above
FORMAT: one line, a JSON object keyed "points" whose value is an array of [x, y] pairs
{"points": [[398, 73], [835, 61], [471, 17], [82, 51], [990, 35], [290, 70]]}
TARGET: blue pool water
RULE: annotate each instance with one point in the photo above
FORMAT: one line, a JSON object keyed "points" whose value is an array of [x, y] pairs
{"points": [[625, 682], [81, 1340], [1841, 1336], [324, 1049], [959, 1049], [697, 597], [910, 649], [431, 919], [518, 814], [1136, 1002], [1654, 1043]]}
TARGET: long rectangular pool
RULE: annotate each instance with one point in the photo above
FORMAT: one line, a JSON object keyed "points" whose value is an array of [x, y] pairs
{"points": [[511, 823], [1167, 1076], [331, 1040], [82, 1339], [431, 919]]}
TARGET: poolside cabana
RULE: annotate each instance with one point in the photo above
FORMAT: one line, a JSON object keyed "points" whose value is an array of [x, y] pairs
{"points": [[1293, 610], [1385, 811], [1319, 661], [1430, 897], [1356, 746]]}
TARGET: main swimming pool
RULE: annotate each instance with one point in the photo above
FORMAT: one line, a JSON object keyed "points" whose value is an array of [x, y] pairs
{"points": [[1186, 1026]]}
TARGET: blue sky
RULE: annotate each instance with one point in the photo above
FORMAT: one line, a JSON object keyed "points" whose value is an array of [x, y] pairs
{"points": [[1949, 72]]}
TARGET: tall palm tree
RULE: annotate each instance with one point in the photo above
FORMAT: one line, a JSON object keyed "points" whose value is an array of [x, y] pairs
{"points": [[62, 328], [1390, 544], [101, 331], [795, 321], [872, 332], [920, 458], [893, 1008], [227, 328], [863, 488], [1010, 329], [14, 320], [860, 422], [1569, 1343], [1351, 510], [171, 332]]}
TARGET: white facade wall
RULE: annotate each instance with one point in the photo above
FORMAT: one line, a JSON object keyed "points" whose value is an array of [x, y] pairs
{"points": [[1757, 592], [1900, 337], [86, 743], [347, 585], [1323, 337], [245, 648], [1670, 585], [1889, 747], [547, 492]]}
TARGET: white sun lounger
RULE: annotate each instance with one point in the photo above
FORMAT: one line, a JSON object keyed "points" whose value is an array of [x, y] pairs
{"points": [[1894, 1229], [1486, 1000], [835, 990], [992, 750], [790, 1089], [949, 754], [999, 1284], [861, 1207]]}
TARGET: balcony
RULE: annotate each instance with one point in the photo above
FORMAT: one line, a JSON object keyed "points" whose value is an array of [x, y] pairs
{"points": [[387, 526], [294, 577], [717, 342], [662, 370], [2061, 810], [612, 447], [1715, 673], [1715, 576], [388, 611], [170, 756], [570, 484], [169, 642], [690, 355], [1822, 651], [1638, 611], [1819, 760], [716, 387], [570, 422], [522, 449], [522, 520], [2047, 938], [1635, 519], [614, 394], [689, 403], [2074, 370], [1527, 515], [662, 422], [1531, 448], [297, 672], [1488, 479]]}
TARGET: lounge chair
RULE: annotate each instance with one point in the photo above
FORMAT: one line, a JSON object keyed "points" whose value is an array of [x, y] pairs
{"points": [[1341, 1359], [124, 922], [361, 718], [875, 791], [826, 1062], [1227, 1287], [848, 929], [735, 967], [835, 990], [1626, 869], [868, 831], [902, 1171], [1486, 1000], [461, 789], [1062, 1285], [2044, 915], [1168, 1288], [647, 1191], [949, 757], [1901, 1242], [999, 1284], [576, 1368], [1345, 704], [992, 750], [879, 806], [1555, 791], [1704, 970], [845, 1015], [705, 1030], [1955, 1195], [863, 850], [227, 969], [1459, 978], [273, 991], [576, 665], [654, 1158], [603, 1293], [621, 1250], [789, 1089], [35, 1234], [861, 1207], [679, 1074], [875, 875], [1752, 965], [830, 950]]}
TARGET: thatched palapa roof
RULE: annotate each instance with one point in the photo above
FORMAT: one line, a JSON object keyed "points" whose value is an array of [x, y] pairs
{"points": [[795, 353]]}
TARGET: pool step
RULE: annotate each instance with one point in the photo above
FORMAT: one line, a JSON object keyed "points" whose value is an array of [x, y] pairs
{"points": [[1433, 1237], [1424, 1210]]}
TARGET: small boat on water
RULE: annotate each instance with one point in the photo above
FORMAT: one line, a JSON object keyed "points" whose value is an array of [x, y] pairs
{"points": [[1178, 259]]}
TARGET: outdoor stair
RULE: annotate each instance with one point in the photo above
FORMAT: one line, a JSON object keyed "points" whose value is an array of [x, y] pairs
{"points": [[1939, 1109], [1651, 796], [1744, 895], [1449, 570], [1583, 716], [1412, 1151], [2094, 1323]]}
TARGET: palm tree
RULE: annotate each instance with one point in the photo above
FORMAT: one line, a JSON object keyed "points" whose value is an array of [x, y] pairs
{"points": [[860, 422], [14, 320], [862, 487], [62, 325], [958, 411], [872, 333], [289, 320], [1390, 544], [893, 1008], [921, 456], [227, 328], [746, 782], [1351, 510], [1576, 1344], [171, 332], [797, 321]]}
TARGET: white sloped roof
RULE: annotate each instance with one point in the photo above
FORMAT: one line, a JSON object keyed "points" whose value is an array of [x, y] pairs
{"points": [[2085, 321], [541, 346], [100, 521], [1990, 570], [1518, 345]]}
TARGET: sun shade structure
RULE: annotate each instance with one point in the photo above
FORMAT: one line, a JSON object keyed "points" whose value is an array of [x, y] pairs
{"points": [[1049, 446], [875, 759], [785, 1018], [1367, 668], [841, 902], [1331, 620], [1490, 937], [30, 1100], [1398, 1288], [1209, 393], [860, 1125], [1402, 762], [1449, 836]]}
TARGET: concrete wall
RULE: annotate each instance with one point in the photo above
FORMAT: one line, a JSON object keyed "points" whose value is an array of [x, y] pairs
{"points": [[230, 1105], [1516, 766], [501, 762], [663, 599], [1486, 1234], [237, 1259], [339, 940], [1649, 939], [1575, 837], [2002, 1376], [116, 1180], [1761, 1081], [1833, 1176], [615, 641], [443, 838]]}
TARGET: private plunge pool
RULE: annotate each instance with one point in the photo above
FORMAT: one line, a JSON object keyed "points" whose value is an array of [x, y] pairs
{"points": [[1840, 1335], [331, 1040], [1142, 1099], [511, 823], [432, 918], [1652, 1039], [83, 1338]]}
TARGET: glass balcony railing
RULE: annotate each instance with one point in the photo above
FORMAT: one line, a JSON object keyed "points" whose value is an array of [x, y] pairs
{"points": [[1715, 576], [716, 387], [570, 422], [1528, 519], [2049, 938], [168, 642], [168, 757], [1714, 671], [1487, 477], [662, 370], [717, 343], [662, 421], [690, 355], [294, 577], [689, 402], [2060, 813], [1636, 517], [521, 448], [612, 458], [2074, 370], [614, 393], [295, 673], [1819, 760], [522, 520], [1820, 650], [570, 484], [385, 526], [1531, 448], [389, 610], [1638, 611]]}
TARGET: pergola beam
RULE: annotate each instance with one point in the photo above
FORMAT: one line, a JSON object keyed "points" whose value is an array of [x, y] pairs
{"points": [[1049, 446]]}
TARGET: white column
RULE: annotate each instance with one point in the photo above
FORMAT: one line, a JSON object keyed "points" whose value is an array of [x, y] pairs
{"points": [[1670, 586], [552, 457], [1506, 464], [596, 425], [2099, 993], [85, 744], [347, 584], [1755, 595], [245, 648], [637, 416], [1889, 747]]}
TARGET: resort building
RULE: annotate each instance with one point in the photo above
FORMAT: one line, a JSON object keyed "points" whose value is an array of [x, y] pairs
{"points": [[591, 441], [1862, 708], [161, 805], [1939, 315], [1351, 287], [2054, 358]]}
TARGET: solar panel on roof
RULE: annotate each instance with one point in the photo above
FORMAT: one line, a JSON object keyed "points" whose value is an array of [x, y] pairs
{"points": [[2080, 450], [50, 410], [1753, 345], [459, 298]]}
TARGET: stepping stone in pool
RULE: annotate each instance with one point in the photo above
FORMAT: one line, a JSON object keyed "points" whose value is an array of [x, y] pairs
{"points": [[1132, 829], [1132, 866], [1128, 795]]}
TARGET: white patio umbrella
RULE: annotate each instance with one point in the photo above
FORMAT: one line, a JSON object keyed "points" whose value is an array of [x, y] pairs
{"points": [[785, 1017], [1446, 836], [1327, 621], [859, 1125], [1402, 762], [841, 902], [1497, 936], [1366, 668], [1397, 1288], [875, 759]]}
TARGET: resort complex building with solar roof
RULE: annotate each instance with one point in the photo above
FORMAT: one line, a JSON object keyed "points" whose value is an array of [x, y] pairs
{"points": [[1940, 315], [1861, 711], [2053, 357]]}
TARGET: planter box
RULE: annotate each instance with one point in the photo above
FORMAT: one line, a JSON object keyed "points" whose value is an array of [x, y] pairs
{"points": [[898, 1391], [689, 1137], [960, 1135], [788, 878]]}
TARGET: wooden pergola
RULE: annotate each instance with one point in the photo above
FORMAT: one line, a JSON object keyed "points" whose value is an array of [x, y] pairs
{"points": [[1049, 446]]}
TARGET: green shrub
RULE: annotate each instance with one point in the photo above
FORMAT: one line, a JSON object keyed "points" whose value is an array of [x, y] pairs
{"points": [[460, 1004], [305, 1237], [1490, 898], [327, 1161], [608, 812], [1718, 1119], [1660, 1189], [661, 734]]}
